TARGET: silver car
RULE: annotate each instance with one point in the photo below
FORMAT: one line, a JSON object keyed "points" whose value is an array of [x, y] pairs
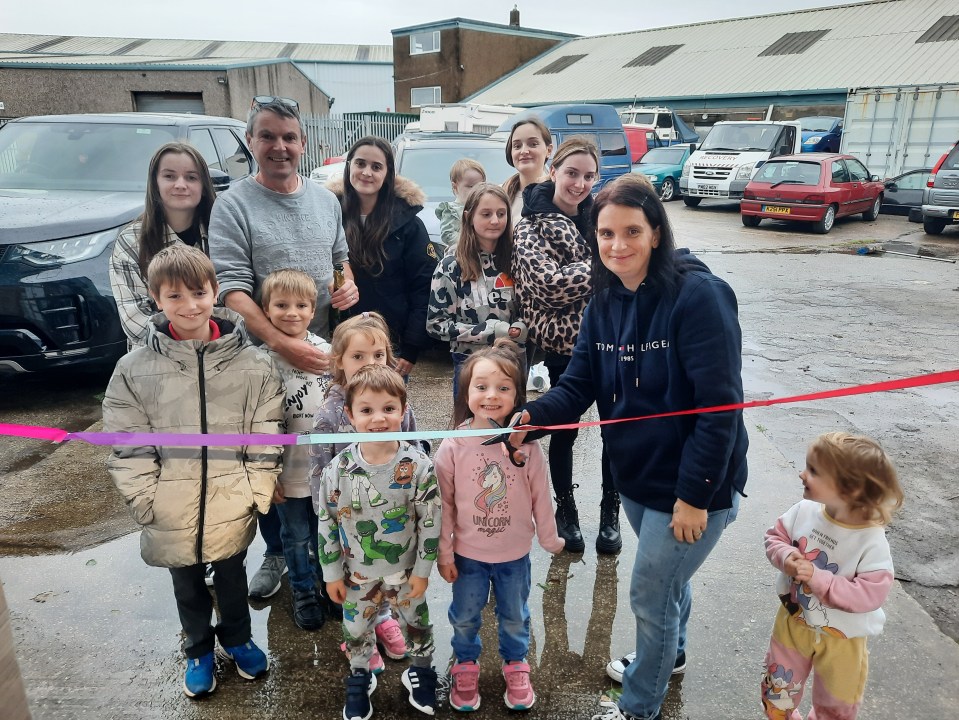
{"points": [[426, 159], [940, 200]]}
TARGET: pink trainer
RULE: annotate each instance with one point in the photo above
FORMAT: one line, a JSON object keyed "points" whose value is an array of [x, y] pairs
{"points": [[390, 636], [519, 693], [376, 660], [464, 687]]}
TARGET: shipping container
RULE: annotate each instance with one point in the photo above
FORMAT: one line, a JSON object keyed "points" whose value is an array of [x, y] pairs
{"points": [[896, 129]]}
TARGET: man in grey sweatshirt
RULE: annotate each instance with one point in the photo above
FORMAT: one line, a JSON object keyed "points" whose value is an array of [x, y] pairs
{"points": [[269, 221]]}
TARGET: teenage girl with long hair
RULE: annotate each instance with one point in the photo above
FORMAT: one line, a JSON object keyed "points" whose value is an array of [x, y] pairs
{"points": [[390, 250], [472, 299], [527, 149], [179, 199], [551, 268]]}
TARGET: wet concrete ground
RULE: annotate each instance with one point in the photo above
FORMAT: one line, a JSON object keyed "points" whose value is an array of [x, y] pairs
{"points": [[97, 630]]}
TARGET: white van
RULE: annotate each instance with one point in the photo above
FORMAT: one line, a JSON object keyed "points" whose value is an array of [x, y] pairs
{"points": [[731, 154]]}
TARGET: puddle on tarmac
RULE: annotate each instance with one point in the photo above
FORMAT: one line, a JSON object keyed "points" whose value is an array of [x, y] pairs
{"points": [[97, 630]]}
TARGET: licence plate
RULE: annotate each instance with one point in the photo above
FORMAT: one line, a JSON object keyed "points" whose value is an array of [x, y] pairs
{"points": [[709, 188], [776, 210], [955, 214]]}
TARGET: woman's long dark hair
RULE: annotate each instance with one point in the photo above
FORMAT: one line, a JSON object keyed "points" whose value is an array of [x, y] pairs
{"points": [[153, 220], [366, 240], [636, 192]]}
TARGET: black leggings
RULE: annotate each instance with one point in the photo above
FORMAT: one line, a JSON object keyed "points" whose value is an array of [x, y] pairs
{"points": [[561, 441]]}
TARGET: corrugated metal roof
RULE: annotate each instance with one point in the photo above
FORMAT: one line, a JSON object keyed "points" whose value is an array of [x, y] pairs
{"points": [[134, 50], [113, 61], [868, 44]]}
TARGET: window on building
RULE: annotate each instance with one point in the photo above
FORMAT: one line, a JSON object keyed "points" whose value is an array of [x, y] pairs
{"points": [[559, 65], [652, 56], [945, 28], [425, 96], [425, 42], [794, 43]]}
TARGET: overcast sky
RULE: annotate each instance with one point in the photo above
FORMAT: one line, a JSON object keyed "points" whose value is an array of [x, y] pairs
{"points": [[366, 22]]}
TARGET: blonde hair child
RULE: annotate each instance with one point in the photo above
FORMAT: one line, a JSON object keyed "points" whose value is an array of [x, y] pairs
{"points": [[465, 174], [357, 342], [836, 572]]}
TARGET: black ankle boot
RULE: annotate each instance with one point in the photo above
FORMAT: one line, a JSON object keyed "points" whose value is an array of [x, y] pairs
{"points": [[609, 541], [567, 521]]}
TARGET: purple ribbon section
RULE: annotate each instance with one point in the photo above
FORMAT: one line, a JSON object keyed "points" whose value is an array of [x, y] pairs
{"points": [[181, 439]]}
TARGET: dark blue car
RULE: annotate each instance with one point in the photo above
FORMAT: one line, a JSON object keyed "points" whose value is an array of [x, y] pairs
{"points": [[68, 184], [821, 133]]}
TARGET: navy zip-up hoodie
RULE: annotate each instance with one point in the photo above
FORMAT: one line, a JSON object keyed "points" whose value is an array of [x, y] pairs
{"points": [[651, 352]]}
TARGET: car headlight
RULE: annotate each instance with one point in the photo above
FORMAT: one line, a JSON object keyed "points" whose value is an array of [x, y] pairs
{"points": [[686, 166], [744, 172], [813, 140], [653, 178], [52, 253]]}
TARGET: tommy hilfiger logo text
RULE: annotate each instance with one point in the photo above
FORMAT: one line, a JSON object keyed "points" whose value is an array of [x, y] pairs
{"points": [[642, 347]]}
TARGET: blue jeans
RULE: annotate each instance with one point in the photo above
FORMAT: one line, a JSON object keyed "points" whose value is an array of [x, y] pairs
{"points": [[660, 596], [298, 530], [511, 583]]}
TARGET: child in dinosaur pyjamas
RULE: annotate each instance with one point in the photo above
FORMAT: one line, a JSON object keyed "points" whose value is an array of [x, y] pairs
{"points": [[370, 488]]}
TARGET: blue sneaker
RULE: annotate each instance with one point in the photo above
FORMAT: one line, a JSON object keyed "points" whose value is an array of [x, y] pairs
{"points": [[421, 683], [250, 660], [360, 684], [199, 679]]}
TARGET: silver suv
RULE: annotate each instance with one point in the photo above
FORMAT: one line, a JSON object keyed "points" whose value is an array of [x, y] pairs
{"points": [[940, 199]]}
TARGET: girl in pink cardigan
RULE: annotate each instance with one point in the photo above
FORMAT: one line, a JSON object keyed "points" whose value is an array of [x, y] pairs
{"points": [[491, 509]]}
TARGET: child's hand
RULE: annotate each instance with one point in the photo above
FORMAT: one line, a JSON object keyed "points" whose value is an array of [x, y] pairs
{"points": [[448, 572], [804, 571], [789, 564], [278, 497], [336, 591], [418, 586]]}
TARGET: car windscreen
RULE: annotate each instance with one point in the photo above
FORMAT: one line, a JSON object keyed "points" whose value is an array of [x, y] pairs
{"points": [[429, 167], [742, 137], [663, 156], [817, 124], [78, 156], [789, 172]]}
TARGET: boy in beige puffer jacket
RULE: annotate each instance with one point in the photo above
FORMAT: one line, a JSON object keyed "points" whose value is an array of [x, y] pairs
{"points": [[197, 374]]}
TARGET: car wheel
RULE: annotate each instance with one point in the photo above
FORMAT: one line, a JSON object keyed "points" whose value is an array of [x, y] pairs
{"points": [[751, 220], [873, 212], [668, 191], [692, 201], [933, 226], [825, 225]]}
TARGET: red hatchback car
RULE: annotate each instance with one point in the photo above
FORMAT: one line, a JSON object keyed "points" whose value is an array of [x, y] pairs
{"points": [[812, 187]]}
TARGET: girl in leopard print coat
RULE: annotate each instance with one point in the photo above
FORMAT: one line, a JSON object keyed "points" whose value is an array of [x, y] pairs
{"points": [[551, 269]]}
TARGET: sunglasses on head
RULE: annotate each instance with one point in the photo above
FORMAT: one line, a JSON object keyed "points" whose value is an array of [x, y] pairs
{"points": [[261, 100]]}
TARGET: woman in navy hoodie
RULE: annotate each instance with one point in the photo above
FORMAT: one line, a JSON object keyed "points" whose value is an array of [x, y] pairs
{"points": [[660, 334]]}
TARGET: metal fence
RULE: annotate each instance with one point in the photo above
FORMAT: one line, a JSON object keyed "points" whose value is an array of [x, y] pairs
{"points": [[331, 135]]}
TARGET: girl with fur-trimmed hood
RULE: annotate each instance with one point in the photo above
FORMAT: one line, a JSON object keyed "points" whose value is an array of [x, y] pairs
{"points": [[390, 249]]}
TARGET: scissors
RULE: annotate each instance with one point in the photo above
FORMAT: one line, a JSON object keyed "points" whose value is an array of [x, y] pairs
{"points": [[505, 439]]}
